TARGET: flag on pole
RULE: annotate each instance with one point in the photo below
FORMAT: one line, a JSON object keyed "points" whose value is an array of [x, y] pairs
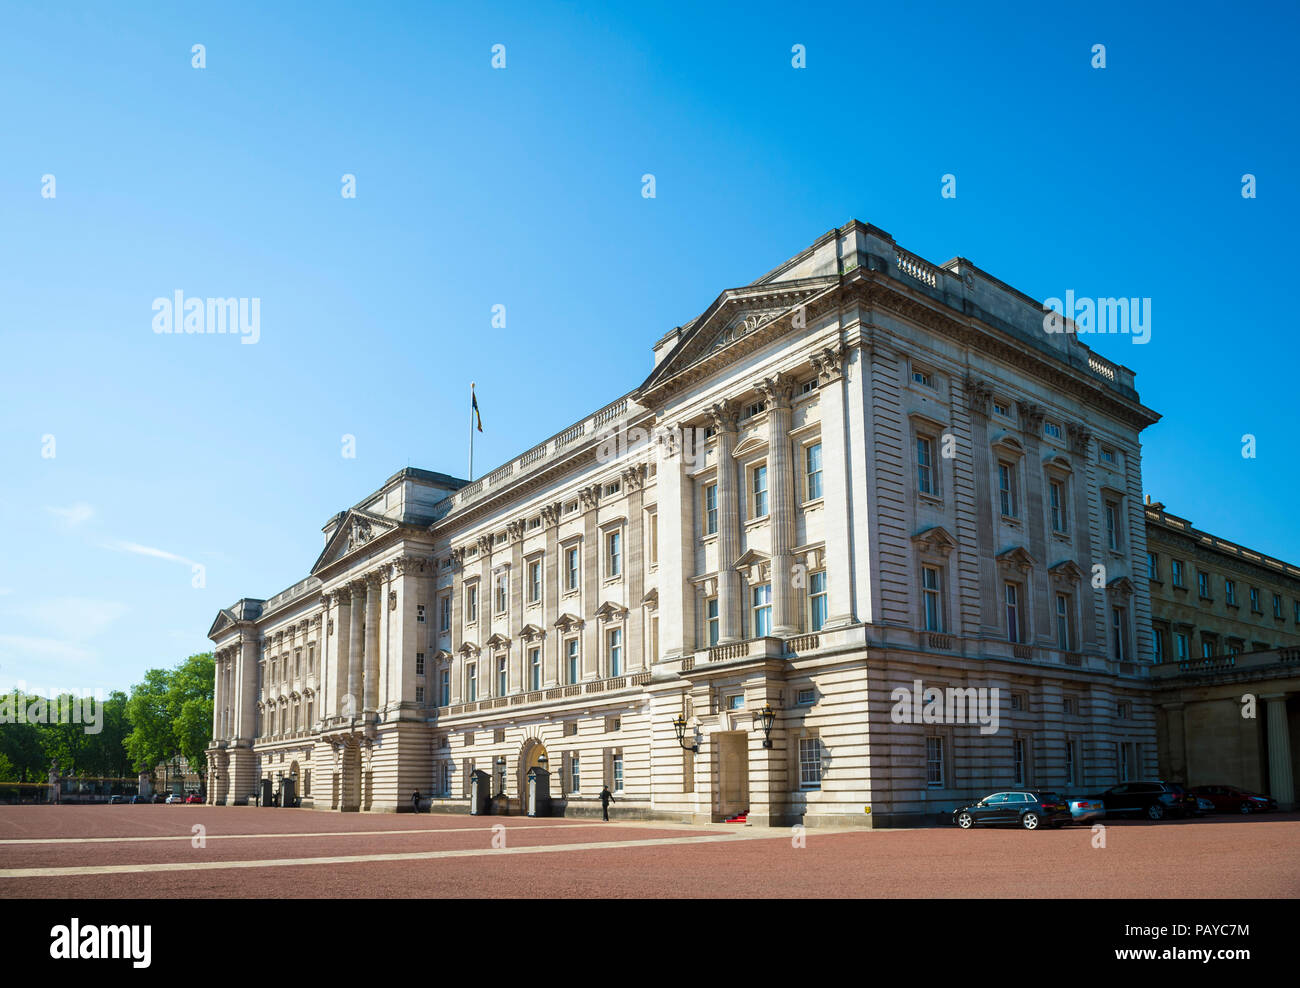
{"points": [[478, 419]]}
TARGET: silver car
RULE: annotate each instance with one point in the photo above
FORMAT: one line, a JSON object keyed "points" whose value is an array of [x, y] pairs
{"points": [[1085, 809]]}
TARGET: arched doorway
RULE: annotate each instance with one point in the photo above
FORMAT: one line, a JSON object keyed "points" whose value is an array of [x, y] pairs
{"points": [[532, 754]]}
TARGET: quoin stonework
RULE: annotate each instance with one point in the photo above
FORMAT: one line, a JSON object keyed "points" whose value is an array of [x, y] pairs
{"points": [[858, 472]]}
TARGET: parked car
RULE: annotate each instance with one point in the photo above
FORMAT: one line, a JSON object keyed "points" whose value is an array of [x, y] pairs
{"points": [[193, 798], [1203, 806], [1230, 799], [1153, 799], [137, 798], [174, 797], [1028, 808], [116, 799], [1085, 809], [159, 798]]}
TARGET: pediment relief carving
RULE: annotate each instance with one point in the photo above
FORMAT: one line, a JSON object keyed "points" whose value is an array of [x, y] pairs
{"points": [[1017, 558], [935, 539]]}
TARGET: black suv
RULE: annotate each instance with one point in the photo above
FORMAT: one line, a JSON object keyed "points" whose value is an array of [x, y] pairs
{"points": [[1153, 799], [1029, 808]]}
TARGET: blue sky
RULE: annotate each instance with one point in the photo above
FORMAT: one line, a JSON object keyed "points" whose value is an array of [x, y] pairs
{"points": [[522, 187]]}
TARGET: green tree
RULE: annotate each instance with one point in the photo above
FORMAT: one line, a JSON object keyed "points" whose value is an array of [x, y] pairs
{"points": [[152, 739]]}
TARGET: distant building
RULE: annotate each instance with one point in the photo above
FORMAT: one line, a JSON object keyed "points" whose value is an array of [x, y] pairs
{"points": [[1225, 625]]}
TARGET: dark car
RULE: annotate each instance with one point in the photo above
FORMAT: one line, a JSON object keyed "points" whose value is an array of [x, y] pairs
{"points": [[137, 798], [1028, 808], [1230, 799], [114, 799], [1154, 800]]}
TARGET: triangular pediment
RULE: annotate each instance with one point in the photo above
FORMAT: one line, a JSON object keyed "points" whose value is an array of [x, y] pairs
{"points": [[358, 529], [567, 622], [1121, 585], [739, 321], [1017, 558], [935, 539], [651, 598], [498, 640], [611, 611], [1067, 571], [224, 621], [532, 632]]}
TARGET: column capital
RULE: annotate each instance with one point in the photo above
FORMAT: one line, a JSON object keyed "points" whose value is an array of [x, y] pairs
{"points": [[778, 390], [724, 415], [829, 362], [978, 395]]}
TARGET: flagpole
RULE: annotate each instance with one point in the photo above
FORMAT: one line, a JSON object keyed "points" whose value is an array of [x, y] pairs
{"points": [[471, 430]]}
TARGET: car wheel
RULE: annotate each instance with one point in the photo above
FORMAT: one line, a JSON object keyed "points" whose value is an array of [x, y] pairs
{"points": [[1155, 811], [1030, 821], [965, 821], [1245, 807]]}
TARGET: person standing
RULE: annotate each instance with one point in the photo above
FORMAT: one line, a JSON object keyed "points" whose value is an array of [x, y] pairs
{"points": [[606, 797], [415, 801]]}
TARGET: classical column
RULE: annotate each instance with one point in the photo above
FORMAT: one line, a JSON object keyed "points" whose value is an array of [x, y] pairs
{"points": [[835, 478], [634, 568], [454, 664], [216, 696], [1281, 781], [551, 595], [676, 550], [979, 395], [356, 650], [246, 694], [374, 596], [730, 606], [592, 571], [779, 393]]}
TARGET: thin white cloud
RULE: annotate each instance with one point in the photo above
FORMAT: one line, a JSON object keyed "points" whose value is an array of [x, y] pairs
{"points": [[80, 618], [74, 515], [148, 550], [42, 649]]}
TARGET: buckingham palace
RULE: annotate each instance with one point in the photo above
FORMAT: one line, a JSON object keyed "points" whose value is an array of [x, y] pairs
{"points": [[741, 591]]}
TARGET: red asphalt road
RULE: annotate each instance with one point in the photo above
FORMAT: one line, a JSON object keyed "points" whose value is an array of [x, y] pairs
{"points": [[1216, 857]]}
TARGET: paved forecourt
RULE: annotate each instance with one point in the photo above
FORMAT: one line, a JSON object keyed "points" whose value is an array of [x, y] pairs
{"points": [[155, 851]]}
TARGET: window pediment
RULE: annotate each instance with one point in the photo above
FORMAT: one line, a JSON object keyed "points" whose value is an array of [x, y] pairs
{"points": [[568, 622], [1066, 573], [611, 611], [935, 539], [1017, 558], [755, 566]]}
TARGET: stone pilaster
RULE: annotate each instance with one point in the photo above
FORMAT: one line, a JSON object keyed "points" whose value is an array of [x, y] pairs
{"points": [[374, 600], [356, 651], [730, 606], [838, 532], [779, 393]]}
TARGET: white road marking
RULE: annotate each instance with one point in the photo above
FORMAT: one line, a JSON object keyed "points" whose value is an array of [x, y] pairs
{"points": [[326, 833], [140, 869]]}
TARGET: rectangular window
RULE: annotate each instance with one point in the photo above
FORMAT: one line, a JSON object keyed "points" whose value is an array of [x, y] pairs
{"points": [[1112, 525], [922, 377], [503, 587], [471, 603], [1277, 605], [419, 694], [932, 597], [805, 697], [759, 486], [1153, 566], [934, 761], [710, 509], [1018, 760], [419, 614], [1176, 572], [1203, 584], [614, 554], [1001, 408], [1051, 430], [652, 541], [617, 766], [1071, 761], [1230, 591], [812, 459], [1157, 645], [535, 581], [1119, 633], [1063, 637], [761, 605], [1007, 489], [1125, 767], [817, 601], [1108, 455], [444, 688], [419, 663], [1207, 648], [615, 639], [502, 685], [471, 671], [1181, 646], [1254, 601], [711, 619], [575, 774], [924, 465], [444, 613], [535, 668], [810, 763], [571, 568], [571, 659], [736, 701], [1056, 499], [1011, 596]]}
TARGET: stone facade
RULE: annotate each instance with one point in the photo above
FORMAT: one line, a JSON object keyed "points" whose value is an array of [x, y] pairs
{"points": [[860, 473]]}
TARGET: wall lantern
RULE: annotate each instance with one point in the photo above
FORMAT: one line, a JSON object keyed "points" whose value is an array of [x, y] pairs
{"points": [[764, 718], [679, 725]]}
